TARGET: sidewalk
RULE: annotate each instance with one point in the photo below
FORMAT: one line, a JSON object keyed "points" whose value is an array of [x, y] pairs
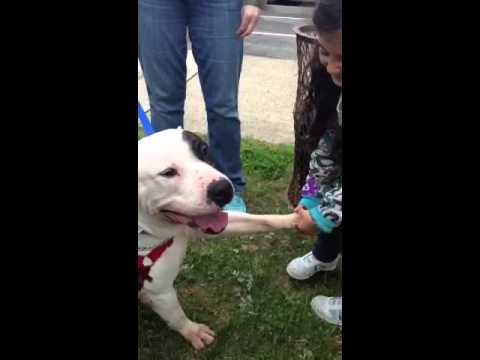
{"points": [[266, 99]]}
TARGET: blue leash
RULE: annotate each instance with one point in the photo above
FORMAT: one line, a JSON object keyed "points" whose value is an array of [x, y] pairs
{"points": [[147, 127]]}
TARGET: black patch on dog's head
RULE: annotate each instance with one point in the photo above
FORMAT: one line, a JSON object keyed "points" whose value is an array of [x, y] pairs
{"points": [[198, 146]]}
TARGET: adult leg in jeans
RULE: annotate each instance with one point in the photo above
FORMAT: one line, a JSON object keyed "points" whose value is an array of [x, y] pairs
{"points": [[219, 53], [162, 51], [328, 246]]}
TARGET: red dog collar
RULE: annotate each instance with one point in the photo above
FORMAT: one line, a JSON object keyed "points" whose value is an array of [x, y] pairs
{"points": [[146, 262]]}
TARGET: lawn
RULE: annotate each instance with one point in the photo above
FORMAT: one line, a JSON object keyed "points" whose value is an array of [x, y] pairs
{"points": [[239, 287]]}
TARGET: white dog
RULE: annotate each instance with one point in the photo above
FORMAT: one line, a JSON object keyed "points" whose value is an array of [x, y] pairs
{"points": [[180, 196]]}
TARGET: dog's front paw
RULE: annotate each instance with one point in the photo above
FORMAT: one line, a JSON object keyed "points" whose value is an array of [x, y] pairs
{"points": [[198, 335]]}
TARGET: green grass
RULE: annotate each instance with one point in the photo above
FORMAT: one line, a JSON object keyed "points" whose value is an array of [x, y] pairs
{"points": [[239, 287]]}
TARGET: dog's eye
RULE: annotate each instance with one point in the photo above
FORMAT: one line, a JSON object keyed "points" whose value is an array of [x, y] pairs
{"points": [[170, 172], [204, 150]]}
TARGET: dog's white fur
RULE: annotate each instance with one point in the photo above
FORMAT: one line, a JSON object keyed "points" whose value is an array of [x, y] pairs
{"points": [[185, 193]]}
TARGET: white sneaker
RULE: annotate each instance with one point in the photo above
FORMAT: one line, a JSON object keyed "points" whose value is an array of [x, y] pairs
{"points": [[328, 309], [305, 266]]}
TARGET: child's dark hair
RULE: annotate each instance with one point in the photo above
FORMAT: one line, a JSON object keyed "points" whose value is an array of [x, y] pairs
{"points": [[327, 17]]}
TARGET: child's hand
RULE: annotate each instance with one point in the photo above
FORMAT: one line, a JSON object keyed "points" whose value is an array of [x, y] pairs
{"points": [[305, 222]]}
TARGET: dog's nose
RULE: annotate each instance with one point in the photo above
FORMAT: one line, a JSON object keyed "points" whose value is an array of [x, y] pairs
{"points": [[220, 192]]}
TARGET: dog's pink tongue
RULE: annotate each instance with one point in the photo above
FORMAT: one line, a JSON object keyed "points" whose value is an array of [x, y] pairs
{"points": [[213, 223]]}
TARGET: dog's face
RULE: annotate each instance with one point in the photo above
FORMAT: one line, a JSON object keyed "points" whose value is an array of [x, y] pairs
{"points": [[178, 185]]}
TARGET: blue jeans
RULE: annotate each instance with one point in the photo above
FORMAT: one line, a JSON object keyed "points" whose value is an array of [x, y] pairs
{"points": [[218, 52]]}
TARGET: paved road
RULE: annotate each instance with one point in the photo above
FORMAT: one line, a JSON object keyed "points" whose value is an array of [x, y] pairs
{"points": [[274, 37]]}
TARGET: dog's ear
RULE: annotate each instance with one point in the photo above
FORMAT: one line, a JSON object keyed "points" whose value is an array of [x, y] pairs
{"points": [[198, 146]]}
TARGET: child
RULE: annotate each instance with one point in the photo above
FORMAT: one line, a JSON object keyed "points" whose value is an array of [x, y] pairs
{"points": [[320, 208]]}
